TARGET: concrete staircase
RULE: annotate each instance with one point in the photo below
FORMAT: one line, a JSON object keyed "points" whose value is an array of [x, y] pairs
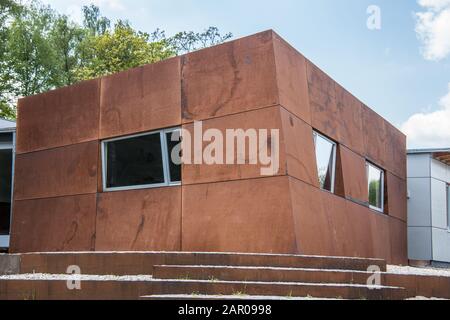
{"points": [[206, 277], [181, 275]]}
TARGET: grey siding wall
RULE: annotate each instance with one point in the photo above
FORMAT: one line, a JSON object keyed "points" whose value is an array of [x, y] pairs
{"points": [[428, 232]]}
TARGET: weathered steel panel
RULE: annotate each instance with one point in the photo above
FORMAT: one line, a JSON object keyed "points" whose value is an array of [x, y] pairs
{"points": [[230, 78], [69, 170], [254, 121], [141, 99], [59, 118], [292, 79], [239, 216], [139, 220], [56, 224]]}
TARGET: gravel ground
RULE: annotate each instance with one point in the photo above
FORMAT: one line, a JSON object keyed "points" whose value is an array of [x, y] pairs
{"points": [[423, 298], [419, 271]]}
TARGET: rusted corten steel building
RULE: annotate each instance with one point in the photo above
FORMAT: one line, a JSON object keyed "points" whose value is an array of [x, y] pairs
{"points": [[65, 201]]}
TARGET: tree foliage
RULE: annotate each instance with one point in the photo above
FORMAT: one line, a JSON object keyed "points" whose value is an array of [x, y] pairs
{"points": [[66, 38], [7, 9], [187, 41], [42, 49], [29, 54], [119, 49], [94, 22]]}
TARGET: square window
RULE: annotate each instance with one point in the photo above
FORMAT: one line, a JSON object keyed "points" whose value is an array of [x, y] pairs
{"points": [[134, 162], [326, 161], [375, 178], [142, 161]]}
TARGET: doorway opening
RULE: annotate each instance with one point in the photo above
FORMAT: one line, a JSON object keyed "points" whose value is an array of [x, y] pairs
{"points": [[6, 182]]}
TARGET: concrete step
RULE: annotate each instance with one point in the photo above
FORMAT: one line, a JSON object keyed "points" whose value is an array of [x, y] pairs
{"points": [[137, 263], [265, 274], [282, 289], [286, 261], [57, 289]]}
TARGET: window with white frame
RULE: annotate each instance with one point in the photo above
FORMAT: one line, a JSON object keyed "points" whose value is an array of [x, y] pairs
{"points": [[142, 161], [375, 178], [326, 161]]}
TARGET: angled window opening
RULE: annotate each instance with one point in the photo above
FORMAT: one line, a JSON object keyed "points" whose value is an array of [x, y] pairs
{"points": [[326, 161], [141, 161], [375, 185], [173, 142]]}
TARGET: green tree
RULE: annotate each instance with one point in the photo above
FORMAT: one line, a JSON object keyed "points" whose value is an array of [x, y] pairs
{"points": [[374, 193], [94, 22], [8, 9], [188, 41], [42, 50], [29, 57], [66, 38], [120, 49], [7, 111]]}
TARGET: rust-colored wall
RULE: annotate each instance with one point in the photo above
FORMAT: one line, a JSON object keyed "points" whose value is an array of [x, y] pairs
{"points": [[141, 99], [54, 224], [256, 82], [70, 170], [251, 215], [230, 78], [139, 220]]}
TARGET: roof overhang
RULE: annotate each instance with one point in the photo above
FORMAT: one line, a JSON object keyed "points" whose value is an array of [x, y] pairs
{"points": [[442, 156]]}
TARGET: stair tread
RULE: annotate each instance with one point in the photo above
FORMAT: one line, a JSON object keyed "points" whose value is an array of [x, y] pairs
{"points": [[155, 280], [306, 284], [275, 255], [194, 252], [237, 267]]}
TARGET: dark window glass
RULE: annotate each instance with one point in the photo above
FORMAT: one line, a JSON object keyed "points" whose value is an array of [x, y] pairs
{"points": [[5, 190], [135, 162], [6, 137], [325, 157], [174, 156]]}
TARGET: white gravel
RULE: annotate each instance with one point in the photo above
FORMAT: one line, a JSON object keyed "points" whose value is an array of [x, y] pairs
{"points": [[65, 277], [428, 271], [43, 276], [424, 298], [228, 297]]}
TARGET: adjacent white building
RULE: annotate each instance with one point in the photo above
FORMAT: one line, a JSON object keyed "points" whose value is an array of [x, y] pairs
{"points": [[428, 206]]}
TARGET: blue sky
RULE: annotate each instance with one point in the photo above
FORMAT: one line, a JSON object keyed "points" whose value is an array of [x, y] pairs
{"points": [[401, 76]]}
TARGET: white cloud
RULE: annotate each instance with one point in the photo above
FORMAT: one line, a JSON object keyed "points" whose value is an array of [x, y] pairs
{"points": [[430, 129], [110, 4], [433, 28], [73, 7], [434, 4]]}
